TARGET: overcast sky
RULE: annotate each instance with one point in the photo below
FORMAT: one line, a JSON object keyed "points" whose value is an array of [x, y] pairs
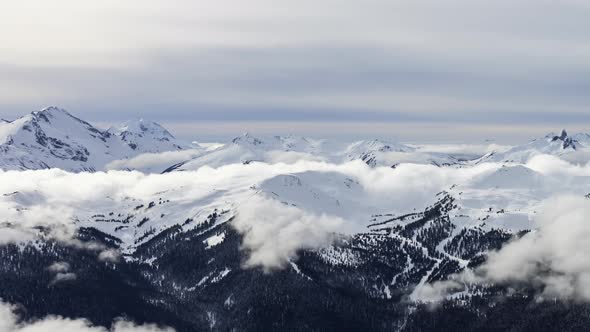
{"points": [[413, 70]]}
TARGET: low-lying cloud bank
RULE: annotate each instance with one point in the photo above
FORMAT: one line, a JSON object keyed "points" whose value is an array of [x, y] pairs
{"points": [[52, 199], [553, 258], [551, 165], [274, 231], [11, 322]]}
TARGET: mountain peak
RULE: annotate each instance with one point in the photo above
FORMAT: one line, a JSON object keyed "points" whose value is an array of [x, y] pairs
{"points": [[54, 112], [246, 138], [381, 146], [147, 136], [52, 137], [563, 134], [51, 111], [141, 127], [566, 140]]}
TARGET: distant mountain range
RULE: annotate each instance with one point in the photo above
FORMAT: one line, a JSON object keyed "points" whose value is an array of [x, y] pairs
{"points": [[53, 138]]}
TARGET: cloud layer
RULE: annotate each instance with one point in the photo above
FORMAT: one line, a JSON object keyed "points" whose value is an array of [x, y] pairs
{"points": [[11, 322], [63, 201], [281, 208], [412, 62]]}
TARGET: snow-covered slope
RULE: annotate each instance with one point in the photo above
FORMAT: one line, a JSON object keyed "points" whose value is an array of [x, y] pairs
{"points": [[147, 136], [53, 138], [389, 154], [247, 148], [575, 148], [376, 152], [319, 192]]}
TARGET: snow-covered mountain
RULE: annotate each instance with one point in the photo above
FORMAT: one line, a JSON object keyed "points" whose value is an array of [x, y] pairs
{"points": [[53, 138], [575, 148], [375, 152], [390, 154], [289, 149], [247, 148], [147, 137]]}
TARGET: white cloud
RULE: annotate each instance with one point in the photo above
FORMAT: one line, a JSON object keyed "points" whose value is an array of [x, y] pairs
{"points": [[274, 232], [552, 165], [12, 235], [7, 318], [19, 222], [291, 157], [11, 322], [437, 291], [109, 255], [59, 267], [154, 162]]}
